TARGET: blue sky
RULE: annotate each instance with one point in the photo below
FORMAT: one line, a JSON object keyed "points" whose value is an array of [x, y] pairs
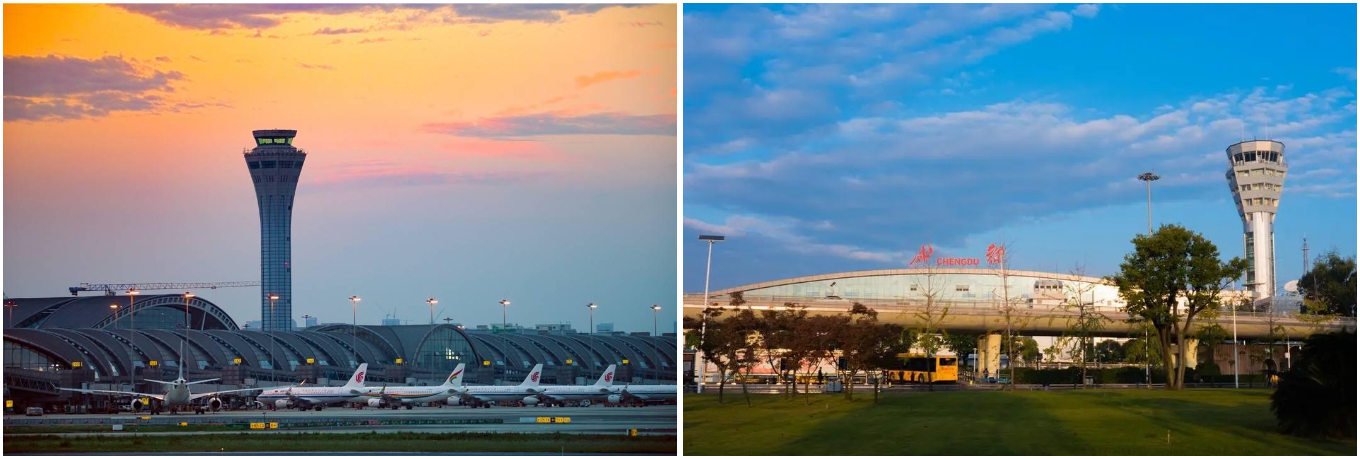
{"points": [[825, 138]]}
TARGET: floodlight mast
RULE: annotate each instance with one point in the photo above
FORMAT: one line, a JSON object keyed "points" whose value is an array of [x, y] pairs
{"points": [[703, 323]]}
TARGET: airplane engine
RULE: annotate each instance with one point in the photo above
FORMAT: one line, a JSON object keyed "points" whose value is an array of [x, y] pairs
{"points": [[615, 399], [137, 405], [454, 401], [374, 402], [281, 404], [215, 404], [531, 400]]}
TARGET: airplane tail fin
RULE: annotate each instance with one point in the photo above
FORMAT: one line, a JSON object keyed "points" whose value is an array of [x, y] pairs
{"points": [[532, 379], [455, 378], [607, 378], [358, 379]]}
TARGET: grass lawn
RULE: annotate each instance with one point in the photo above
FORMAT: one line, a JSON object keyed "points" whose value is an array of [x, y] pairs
{"points": [[1099, 422], [367, 442]]}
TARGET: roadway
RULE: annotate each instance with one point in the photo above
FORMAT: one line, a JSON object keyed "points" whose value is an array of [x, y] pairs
{"points": [[595, 419]]}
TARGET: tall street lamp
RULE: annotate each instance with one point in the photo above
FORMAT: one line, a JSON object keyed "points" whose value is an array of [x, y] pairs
{"points": [[114, 307], [10, 306], [504, 323], [132, 331], [353, 330], [184, 347], [592, 307], [272, 318], [703, 324], [655, 310], [432, 302]]}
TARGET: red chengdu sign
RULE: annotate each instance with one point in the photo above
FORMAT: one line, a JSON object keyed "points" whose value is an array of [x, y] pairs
{"points": [[923, 257]]}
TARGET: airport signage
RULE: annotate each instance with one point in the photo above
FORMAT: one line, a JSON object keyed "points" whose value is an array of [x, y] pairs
{"points": [[925, 257]]}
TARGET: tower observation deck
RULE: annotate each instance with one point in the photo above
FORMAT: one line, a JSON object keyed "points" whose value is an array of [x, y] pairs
{"points": [[274, 165], [1256, 178]]}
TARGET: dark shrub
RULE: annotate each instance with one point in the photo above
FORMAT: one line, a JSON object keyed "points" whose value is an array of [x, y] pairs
{"points": [[1317, 398]]}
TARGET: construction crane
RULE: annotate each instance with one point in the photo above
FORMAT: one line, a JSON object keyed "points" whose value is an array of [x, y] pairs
{"points": [[113, 289]]}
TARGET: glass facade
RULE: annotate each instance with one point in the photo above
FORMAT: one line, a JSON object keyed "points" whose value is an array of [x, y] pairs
{"points": [[981, 286], [275, 186], [20, 356], [444, 350], [161, 317]]}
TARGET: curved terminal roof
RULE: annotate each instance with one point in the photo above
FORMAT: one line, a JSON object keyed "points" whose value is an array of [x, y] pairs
{"points": [[94, 311]]}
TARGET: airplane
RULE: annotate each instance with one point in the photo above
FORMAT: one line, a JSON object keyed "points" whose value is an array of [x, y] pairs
{"points": [[397, 396], [315, 397], [485, 396], [176, 395], [638, 394], [558, 395]]}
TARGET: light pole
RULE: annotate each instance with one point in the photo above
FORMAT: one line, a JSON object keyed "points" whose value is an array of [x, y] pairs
{"points": [[132, 333], [703, 323], [305, 318], [592, 307], [1234, 311], [504, 323], [432, 302], [655, 309], [1148, 178], [114, 307], [187, 296], [272, 318], [10, 306], [354, 330]]}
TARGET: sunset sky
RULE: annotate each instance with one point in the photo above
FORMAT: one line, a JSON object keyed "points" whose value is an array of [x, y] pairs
{"points": [[468, 153]]}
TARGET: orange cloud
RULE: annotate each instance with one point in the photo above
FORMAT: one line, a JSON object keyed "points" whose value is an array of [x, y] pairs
{"points": [[606, 76]]}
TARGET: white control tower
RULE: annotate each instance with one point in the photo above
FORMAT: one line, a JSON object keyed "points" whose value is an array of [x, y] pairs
{"points": [[1256, 178]]}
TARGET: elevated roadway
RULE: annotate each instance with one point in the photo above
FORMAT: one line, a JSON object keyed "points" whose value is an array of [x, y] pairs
{"points": [[1026, 319]]}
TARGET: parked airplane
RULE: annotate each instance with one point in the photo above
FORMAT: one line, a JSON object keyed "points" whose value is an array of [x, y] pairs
{"points": [[396, 396], [485, 396], [638, 394], [177, 393], [584, 395], [315, 397]]}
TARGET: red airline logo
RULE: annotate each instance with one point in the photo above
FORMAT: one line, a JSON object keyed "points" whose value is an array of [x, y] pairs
{"points": [[922, 257], [359, 377], [995, 253], [534, 377], [608, 377]]}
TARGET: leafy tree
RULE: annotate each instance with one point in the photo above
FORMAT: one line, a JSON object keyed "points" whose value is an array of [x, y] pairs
{"points": [[1331, 284], [1029, 350], [893, 340], [744, 326], [776, 331], [1318, 397], [860, 342], [1109, 351], [1173, 266], [962, 344], [819, 338]]}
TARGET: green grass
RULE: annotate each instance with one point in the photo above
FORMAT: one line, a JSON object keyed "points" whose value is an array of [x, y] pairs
{"points": [[1087, 422], [363, 442]]}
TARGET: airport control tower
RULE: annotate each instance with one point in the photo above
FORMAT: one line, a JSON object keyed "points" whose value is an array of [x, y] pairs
{"points": [[275, 166], [1256, 178]]}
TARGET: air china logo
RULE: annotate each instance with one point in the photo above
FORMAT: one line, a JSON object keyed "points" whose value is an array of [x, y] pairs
{"points": [[995, 253], [922, 257], [359, 377], [608, 377], [534, 377]]}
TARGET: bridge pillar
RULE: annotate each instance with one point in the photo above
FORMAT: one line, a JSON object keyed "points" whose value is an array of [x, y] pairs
{"points": [[1191, 353], [989, 353]]}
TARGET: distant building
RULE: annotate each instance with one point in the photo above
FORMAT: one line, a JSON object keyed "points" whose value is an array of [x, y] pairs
{"points": [[604, 327], [311, 321], [1256, 178], [554, 329], [389, 321]]}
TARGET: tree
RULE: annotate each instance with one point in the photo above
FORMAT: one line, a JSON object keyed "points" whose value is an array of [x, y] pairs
{"points": [[775, 333], [1011, 318], [1109, 351], [819, 338], [892, 341], [715, 342], [744, 326], [962, 344], [1029, 350], [860, 341], [1170, 278], [1317, 398], [930, 337], [1089, 319], [1331, 284]]}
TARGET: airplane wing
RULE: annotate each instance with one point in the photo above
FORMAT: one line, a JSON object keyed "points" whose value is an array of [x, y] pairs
{"points": [[160, 397], [193, 397]]}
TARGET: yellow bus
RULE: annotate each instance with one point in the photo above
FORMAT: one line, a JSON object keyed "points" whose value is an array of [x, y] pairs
{"points": [[917, 368]]}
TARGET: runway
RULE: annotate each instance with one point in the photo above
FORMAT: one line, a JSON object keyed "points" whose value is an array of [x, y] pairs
{"points": [[595, 419]]}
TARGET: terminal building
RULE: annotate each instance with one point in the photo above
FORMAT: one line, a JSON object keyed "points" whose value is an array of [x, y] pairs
{"points": [[82, 341]]}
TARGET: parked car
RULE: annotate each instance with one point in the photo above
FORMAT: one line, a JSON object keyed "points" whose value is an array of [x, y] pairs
{"points": [[33, 411]]}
